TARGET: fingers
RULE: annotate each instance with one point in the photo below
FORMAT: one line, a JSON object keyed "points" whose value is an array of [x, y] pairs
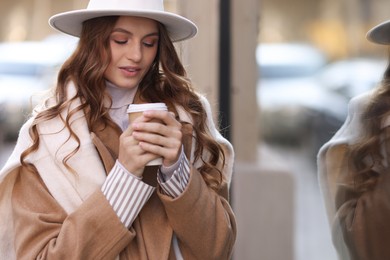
{"points": [[131, 155], [171, 138], [154, 134], [170, 155], [162, 137], [160, 122], [168, 118]]}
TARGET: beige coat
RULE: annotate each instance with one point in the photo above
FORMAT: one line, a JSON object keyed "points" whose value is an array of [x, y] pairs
{"points": [[59, 216], [359, 221]]}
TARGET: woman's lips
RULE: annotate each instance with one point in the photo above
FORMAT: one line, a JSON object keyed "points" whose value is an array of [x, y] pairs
{"points": [[130, 71]]}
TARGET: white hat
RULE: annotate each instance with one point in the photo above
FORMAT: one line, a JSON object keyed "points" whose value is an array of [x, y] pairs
{"points": [[380, 33], [178, 27]]}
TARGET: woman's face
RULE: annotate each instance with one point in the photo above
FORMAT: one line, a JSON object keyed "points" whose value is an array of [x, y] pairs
{"points": [[133, 44]]}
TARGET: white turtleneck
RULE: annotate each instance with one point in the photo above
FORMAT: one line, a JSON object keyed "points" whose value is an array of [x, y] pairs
{"points": [[121, 98]]}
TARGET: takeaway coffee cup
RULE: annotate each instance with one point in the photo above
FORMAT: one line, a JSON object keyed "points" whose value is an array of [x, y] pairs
{"points": [[136, 110]]}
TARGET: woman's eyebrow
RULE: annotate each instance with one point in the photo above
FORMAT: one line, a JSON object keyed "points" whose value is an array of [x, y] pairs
{"points": [[121, 30]]}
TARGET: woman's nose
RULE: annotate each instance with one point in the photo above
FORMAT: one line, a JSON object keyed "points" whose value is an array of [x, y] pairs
{"points": [[134, 52]]}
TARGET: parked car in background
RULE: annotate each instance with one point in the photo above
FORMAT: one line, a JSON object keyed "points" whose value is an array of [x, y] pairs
{"points": [[26, 70], [351, 77], [295, 109]]}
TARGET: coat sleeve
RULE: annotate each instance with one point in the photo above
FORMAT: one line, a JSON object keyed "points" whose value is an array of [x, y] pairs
{"points": [[359, 220], [44, 230], [361, 229], [202, 220]]}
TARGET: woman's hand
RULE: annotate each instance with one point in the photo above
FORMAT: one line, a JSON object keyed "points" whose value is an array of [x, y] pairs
{"points": [[131, 155], [159, 133], [152, 135]]}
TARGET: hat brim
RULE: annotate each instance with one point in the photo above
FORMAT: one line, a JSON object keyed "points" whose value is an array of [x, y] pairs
{"points": [[178, 27], [380, 34]]}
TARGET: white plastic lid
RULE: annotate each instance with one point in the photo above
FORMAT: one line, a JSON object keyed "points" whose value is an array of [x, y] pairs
{"points": [[146, 106]]}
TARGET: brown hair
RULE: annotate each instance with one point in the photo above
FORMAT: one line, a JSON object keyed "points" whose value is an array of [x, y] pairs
{"points": [[365, 157], [166, 81]]}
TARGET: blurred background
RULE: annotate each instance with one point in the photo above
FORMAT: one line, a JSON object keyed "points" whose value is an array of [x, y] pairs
{"points": [[290, 69]]}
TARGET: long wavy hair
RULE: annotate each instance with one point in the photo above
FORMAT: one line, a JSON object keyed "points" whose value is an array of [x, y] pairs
{"points": [[366, 155], [166, 81]]}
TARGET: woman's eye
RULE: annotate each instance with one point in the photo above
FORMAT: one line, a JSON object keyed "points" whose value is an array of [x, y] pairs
{"points": [[149, 44], [120, 41]]}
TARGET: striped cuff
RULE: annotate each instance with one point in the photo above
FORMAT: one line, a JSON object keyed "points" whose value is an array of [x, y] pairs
{"points": [[126, 193], [167, 172], [178, 182]]}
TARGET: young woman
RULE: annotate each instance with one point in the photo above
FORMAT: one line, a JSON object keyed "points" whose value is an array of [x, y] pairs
{"points": [[77, 185], [354, 172]]}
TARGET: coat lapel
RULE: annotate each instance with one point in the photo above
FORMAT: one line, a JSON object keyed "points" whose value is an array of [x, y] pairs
{"points": [[106, 140]]}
